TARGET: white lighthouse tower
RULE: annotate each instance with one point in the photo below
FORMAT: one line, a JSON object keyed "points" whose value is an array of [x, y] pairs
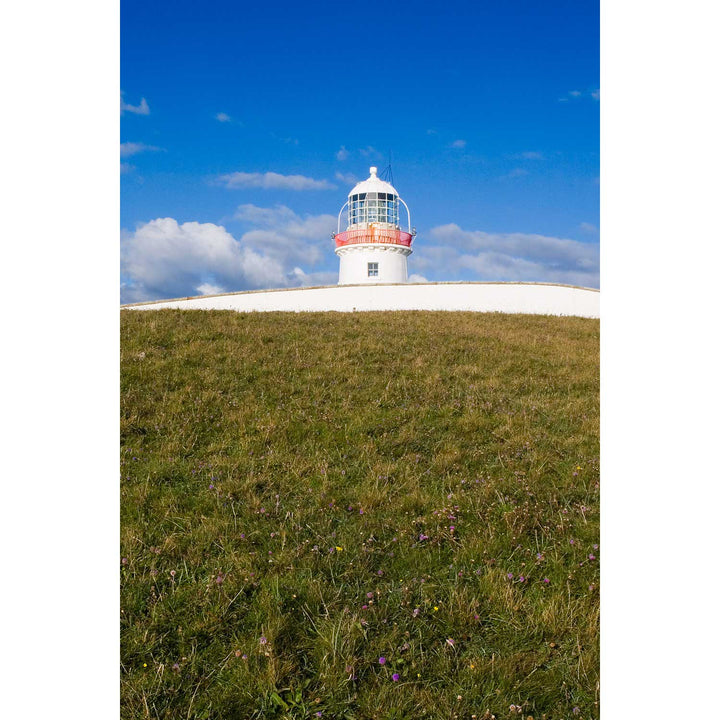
{"points": [[373, 248]]}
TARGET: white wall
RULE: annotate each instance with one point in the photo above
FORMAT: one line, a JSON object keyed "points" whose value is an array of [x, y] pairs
{"points": [[354, 259], [539, 299]]}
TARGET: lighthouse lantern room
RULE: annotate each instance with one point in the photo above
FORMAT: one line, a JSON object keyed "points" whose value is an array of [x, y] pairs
{"points": [[374, 248]]}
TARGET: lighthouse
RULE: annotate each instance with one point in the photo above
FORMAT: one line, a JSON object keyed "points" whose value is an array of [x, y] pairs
{"points": [[373, 248]]}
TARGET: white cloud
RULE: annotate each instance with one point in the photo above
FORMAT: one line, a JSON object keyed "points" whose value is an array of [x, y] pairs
{"points": [[165, 259], [133, 148], [126, 168], [347, 178], [314, 279], [273, 181], [588, 227], [369, 151], [516, 172], [208, 289], [281, 233], [342, 153], [265, 217], [575, 94], [223, 117], [142, 109], [415, 278], [507, 257], [458, 144], [530, 155]]}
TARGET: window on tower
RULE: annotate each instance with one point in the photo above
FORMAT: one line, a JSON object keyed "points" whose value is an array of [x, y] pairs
{"points": [[372, 208], [372, 269]]}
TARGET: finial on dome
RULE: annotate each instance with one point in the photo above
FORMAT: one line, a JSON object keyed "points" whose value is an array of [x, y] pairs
{"points": [[373, 171]]}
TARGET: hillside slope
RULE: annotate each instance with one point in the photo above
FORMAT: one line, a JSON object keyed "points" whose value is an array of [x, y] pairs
{"points": [[370, 515]]}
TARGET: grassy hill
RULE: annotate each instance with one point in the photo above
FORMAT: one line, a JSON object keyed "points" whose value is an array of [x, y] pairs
{"points": [[374, 515]]}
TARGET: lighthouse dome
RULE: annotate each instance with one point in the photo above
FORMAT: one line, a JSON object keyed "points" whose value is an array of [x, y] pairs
{"points": [[373, 184]]}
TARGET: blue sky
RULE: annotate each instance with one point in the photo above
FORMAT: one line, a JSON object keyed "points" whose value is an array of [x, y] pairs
{"points": [[490, 110]]}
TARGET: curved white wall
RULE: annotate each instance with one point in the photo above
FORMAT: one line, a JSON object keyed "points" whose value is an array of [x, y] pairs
{"points": [[354, 259], [532, 298]]}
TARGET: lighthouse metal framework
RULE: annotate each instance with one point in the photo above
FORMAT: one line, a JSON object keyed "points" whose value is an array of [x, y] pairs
{"points": [[374, 248]]}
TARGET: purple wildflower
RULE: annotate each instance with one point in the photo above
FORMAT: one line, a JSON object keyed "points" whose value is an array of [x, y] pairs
{"points": [[382, 660], [395, 677]]}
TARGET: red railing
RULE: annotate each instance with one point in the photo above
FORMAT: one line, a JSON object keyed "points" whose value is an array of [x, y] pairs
{"points": [[373, 235]]}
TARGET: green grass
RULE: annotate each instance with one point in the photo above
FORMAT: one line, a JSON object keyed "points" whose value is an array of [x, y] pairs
{"points": [[278, 468]]}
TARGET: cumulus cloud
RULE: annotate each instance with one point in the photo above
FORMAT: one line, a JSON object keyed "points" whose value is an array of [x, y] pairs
{"points": [[223, 117], [314, 279], [342, 153], [142, 109], [415, 278], [165, 259], [208, 289], [273, 181], [458, 253], [133, 148], [281, 233], [588, 227], [460, 144]]}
